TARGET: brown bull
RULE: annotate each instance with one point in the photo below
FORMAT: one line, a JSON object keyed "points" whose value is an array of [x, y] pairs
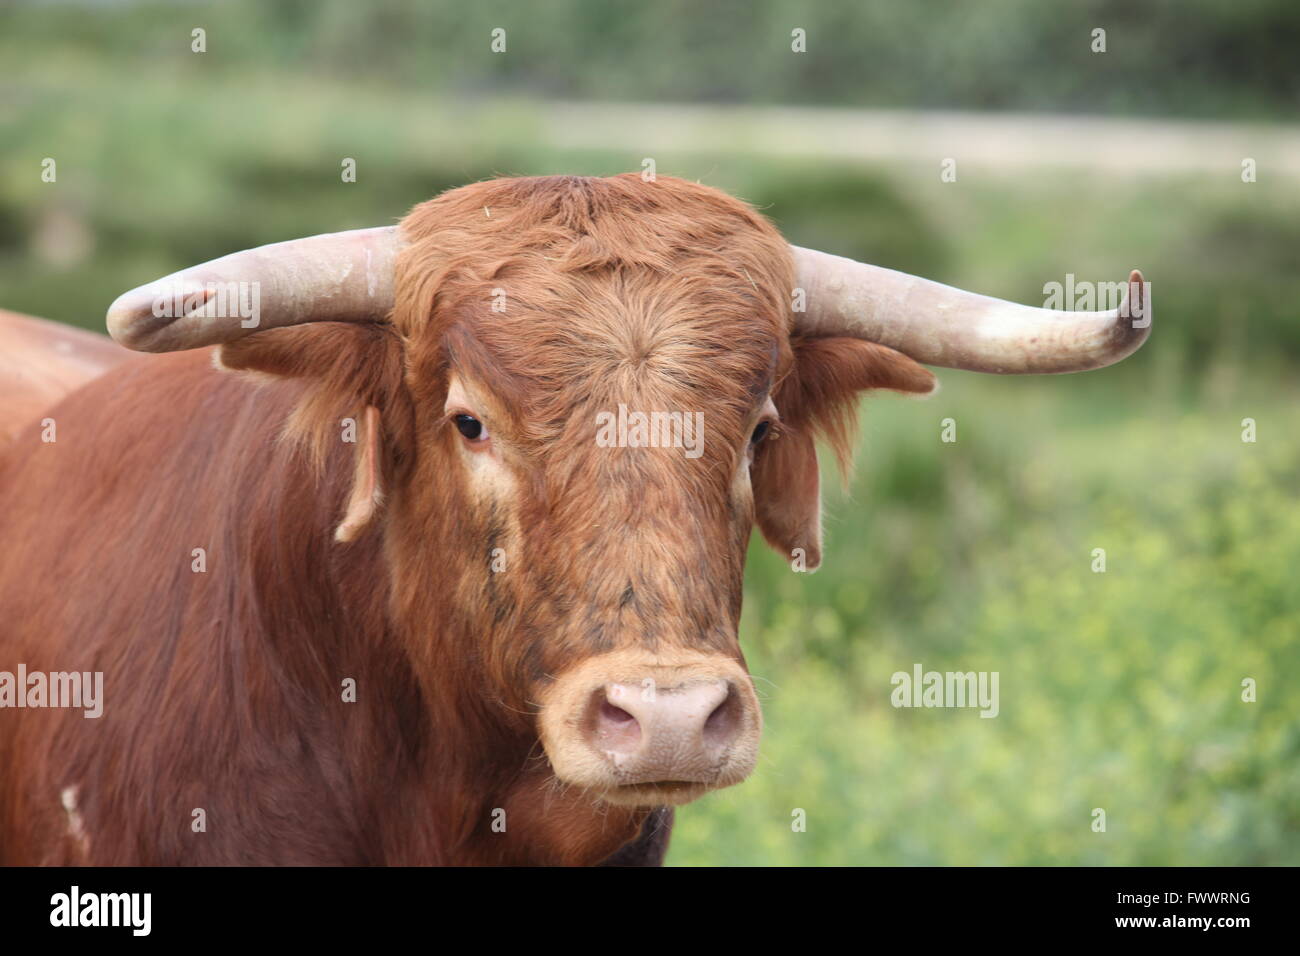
{"points": [[397, 573]]}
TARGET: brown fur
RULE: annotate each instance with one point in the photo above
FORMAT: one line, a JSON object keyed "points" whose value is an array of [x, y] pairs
{"points": [[41, 361], [223, 688]]}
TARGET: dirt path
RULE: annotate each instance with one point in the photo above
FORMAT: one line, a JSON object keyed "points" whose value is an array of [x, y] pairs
{"points": [[1006, 141]]}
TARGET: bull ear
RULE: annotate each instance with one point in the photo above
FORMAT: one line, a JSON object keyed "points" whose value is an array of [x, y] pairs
{"points": [[344, 367], [338, 354], [819, 399], [367, 488], [787, 497]]}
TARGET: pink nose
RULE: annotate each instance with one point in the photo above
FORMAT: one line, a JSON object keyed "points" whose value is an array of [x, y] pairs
{"points": [[655, 734]]}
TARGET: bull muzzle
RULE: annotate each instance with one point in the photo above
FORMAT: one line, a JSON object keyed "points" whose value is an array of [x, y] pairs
{"points": [[639, 730]]}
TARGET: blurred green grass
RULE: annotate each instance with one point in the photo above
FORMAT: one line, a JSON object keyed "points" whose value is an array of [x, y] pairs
{"points": [[1119, 690]]}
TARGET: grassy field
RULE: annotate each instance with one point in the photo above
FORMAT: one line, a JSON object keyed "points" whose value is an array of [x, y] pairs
{"points": [[1119, 690]]}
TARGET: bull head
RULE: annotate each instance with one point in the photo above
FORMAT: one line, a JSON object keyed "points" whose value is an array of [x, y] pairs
{"points": [[486, 336]]}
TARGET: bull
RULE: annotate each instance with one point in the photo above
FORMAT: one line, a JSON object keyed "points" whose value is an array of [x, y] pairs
{"points": [[362, 583]]}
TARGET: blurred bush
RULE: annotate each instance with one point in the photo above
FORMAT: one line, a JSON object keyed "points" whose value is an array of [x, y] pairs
{"points": [[1170, 57], [1119, 690]]}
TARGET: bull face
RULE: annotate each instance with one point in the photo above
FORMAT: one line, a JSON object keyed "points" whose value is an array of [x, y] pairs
{"points": [[613, 576], [580, 396], [595, 371], [600, 429]]}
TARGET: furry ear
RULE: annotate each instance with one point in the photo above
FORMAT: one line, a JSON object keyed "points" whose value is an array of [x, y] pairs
{"points": [[788, 498], [819, 399], [367, 487], [344, 366], [364, 359]]}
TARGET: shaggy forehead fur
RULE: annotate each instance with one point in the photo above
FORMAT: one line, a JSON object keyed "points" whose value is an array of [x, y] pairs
{"points": [[663, 295]]}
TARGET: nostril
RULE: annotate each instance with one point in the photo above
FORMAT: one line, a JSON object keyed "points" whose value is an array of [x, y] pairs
{"points": [[722, 725], [613, 714], [616, 729]]}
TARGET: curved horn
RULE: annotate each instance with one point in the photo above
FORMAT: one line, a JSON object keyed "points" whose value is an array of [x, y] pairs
{"points": [[339, 277], [939, 325]]}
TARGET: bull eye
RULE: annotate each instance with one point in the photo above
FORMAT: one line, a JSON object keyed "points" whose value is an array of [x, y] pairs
{"points": [[760, 432], [471, 428]]}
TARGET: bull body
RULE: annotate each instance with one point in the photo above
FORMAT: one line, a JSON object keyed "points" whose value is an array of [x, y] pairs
{"points": [[224, 686]]}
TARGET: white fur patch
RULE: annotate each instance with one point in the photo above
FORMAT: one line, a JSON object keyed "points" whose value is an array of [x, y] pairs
{"points": [[76, 829]]}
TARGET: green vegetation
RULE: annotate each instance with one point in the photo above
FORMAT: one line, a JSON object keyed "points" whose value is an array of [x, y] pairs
{"points": [[1119, 690], [1203, 58]]}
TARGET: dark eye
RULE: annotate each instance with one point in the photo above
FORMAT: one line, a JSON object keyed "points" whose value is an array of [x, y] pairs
{"points": [[470, 427], [760, 432]]}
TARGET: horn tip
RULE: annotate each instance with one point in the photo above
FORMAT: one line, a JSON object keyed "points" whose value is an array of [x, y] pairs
{"points": [[1134, 324], [124, 318], [131, 322]]}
